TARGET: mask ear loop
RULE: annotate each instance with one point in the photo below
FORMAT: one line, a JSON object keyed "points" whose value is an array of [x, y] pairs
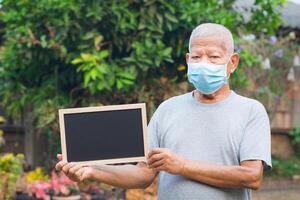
{"points": [[229, 60], [232, 70]]}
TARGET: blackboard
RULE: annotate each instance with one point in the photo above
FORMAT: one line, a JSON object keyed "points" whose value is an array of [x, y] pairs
{"points": [[105, 134]]}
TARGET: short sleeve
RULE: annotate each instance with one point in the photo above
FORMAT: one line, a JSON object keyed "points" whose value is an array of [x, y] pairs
{"points": [[153, 131], [256, 141]]}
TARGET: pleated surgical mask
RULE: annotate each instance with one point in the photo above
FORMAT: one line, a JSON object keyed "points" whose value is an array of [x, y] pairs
{"points": [[207, 78]]}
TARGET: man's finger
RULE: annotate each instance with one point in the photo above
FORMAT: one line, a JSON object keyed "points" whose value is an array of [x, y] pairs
{"points": [[67, 167], [157, 164], [154, 151], [73, 169], [154, 158], [79, 173], [59, 157], [86, 174], [60, 165]]}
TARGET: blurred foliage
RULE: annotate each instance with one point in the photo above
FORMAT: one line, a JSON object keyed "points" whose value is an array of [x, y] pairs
{"points": [[288, 167], [2, 141], [66, 53], [260, 11], [285, 168], [295, 134], [36, 175], [269, 77], [11, 168], [2, 120]]}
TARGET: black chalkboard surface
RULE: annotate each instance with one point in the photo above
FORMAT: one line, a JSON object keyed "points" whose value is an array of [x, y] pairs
{"points": [[105, 134]]}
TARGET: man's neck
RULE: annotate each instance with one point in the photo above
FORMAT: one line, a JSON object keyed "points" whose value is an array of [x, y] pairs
{"points": [[219, 95]]}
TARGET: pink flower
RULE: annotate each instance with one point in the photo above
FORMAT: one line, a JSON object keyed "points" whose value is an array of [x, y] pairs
{"points": [[64, 190], [55, 182], [38, 188], [64, 179], [61, 183]]}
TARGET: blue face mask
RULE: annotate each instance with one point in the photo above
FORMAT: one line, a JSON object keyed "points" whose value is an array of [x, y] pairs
{"points": [[207, 78]]}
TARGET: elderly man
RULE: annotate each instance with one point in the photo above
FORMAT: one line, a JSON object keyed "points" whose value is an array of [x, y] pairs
{"points": [[207, 144]]}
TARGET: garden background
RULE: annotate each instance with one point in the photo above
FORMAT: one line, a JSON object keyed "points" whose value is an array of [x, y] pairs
{"points": [[73, 53]]}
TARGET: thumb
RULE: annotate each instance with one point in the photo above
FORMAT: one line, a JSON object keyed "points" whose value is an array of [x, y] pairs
{"points": [[59, 157]]}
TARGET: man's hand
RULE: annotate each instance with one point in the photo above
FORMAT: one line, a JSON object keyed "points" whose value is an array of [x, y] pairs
{"points": [[161, 159], [75, 172]]}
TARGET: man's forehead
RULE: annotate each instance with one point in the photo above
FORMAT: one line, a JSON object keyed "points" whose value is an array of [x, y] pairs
{"points": [[210, 43]]}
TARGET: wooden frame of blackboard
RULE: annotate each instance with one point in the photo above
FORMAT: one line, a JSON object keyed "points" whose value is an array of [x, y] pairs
{"points": [[141, 106]]}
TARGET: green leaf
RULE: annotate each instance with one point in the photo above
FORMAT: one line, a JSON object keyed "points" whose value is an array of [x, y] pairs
{"points": [[103, 54], [171, 18], [86, 79], [94, 73], [86, 56], [119, 84], [77, 61]]}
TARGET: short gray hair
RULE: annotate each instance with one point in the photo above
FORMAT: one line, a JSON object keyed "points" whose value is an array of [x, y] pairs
{"points": [[211, 29]]}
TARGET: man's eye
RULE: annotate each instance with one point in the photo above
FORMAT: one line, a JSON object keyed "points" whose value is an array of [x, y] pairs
{"points": [[195, 57], [214, 57]]}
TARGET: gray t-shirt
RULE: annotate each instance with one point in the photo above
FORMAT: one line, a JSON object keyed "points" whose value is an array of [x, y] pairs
{"points": [[227, 133]]}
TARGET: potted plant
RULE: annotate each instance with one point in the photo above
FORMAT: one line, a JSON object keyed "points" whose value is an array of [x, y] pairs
{"points": [[11, 168], [37, 182], [63, 187], [91, 189], [59, 187]]}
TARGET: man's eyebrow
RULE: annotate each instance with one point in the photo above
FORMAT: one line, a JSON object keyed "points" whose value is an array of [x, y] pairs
{"points": [[215, 51], [197, 52]]}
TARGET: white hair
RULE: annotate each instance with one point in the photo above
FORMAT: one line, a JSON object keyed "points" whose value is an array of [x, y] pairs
{"points": [[217, 30]]}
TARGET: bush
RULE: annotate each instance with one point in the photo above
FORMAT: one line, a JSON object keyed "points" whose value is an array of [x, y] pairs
{"points": [[11, 168], [73, 53]]}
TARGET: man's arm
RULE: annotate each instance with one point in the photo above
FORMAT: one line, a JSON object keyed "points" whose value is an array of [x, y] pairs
{"points": [[124, 176], [247, 175]]}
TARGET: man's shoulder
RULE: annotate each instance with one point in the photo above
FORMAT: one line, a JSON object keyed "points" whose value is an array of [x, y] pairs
{"points": [[252, 104], [174, 100], [169, 105], [172, 103]]}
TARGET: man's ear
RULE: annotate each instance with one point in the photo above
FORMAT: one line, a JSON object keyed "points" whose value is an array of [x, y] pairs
{"points": [[187, 56], [235, 58]]}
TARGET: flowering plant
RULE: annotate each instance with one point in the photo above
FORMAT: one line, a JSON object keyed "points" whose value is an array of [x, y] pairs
{"points": [[62, 185], [36, 175], [2, 141], [11, 168], [58, 185], [39, 189], [271, 66]]}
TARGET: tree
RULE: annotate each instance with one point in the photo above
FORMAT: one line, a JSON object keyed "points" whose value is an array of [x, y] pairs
{"points": [[58, 53]]}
